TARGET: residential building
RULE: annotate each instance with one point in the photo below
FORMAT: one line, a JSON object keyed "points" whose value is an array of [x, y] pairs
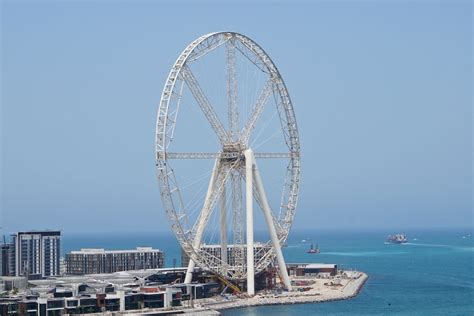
{"points": [[6, 260], [97, 261], [233, 253], [36, 253]]}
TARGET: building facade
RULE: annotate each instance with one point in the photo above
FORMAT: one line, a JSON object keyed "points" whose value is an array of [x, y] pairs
{"points": [[36, 254], [61, 301], [6, 259], [233, 253], [97, 261], [312, 269]]}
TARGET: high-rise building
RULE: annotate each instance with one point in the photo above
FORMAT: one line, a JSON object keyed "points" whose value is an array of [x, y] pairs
{"points": [[36, 253], [6, 260], [96, 261]]}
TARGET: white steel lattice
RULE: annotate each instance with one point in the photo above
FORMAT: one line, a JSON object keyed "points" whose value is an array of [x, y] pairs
{"points": [[230, 161]]}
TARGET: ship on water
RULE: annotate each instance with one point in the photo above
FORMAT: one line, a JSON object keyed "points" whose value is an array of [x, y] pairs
{"points": [[397, 239], [312, 249]]}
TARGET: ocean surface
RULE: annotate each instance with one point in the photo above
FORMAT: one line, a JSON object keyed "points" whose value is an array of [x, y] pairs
{"points": [[433, 274]]}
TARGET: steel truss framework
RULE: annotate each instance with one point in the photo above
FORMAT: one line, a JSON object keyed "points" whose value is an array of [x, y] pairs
{"points": [[235, 163]]}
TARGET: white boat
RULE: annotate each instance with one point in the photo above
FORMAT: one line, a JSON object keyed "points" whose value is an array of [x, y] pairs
{"points": [[397, 239]]}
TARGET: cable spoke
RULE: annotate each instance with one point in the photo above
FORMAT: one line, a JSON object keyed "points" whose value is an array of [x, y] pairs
{"points": [[204, 103], [233, 115], [257, 111]]}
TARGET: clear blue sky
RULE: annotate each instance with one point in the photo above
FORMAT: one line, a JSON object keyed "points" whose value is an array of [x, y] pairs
{"points": [[382, 94]]}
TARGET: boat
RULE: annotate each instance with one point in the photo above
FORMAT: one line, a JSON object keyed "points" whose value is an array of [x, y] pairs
{"points": [[397, 239], [313, 250]]}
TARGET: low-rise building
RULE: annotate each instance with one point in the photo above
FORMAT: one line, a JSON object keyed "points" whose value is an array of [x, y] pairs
{"points": [[83, 294], [122, 301], [312, 269], [97, 261], [14, 283]]}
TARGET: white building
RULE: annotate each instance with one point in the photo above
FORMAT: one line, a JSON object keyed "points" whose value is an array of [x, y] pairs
{"points": [[36, 253], [97, 261]]}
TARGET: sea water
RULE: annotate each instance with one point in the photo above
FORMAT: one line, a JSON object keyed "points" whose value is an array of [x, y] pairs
{"points": [[430, 275]]}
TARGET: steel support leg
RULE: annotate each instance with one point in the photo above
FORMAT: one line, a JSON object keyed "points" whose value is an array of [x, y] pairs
{"points": [[223, 223], [249, 205], [271, 227], [202, 221]]}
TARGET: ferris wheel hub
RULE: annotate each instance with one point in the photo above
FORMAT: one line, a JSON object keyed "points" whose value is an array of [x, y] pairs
{"points": [[233, 152]]}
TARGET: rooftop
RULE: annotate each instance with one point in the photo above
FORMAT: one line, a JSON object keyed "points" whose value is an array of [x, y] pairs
{"points": [[320, 266], [103, 251], [45, 232]]}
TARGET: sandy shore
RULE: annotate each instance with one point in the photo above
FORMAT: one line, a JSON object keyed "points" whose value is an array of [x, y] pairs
{"points": [[319, 292]]}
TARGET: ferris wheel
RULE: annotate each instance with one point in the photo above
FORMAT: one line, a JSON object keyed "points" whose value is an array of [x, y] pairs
{"points": [[214, 222]]}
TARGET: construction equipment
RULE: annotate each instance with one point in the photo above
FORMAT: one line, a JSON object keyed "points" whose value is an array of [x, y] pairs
{"points": [[227, 283]]}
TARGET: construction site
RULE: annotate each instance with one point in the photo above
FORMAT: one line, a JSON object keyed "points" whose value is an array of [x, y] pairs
{"points": [[163, 291]]}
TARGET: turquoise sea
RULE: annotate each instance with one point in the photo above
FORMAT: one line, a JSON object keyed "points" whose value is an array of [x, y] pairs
{"points": [[433, 274]]}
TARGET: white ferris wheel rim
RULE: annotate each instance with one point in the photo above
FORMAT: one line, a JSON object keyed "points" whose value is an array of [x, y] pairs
{"points": [[166, 120]]}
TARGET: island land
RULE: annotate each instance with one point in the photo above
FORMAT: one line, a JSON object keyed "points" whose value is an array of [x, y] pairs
{"points": [[313, 290]]}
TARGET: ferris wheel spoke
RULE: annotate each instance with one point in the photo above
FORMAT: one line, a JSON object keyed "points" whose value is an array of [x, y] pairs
{"points": [[223, 155], [204, 103], [173, 155], [233, 115], [257, 111], [277, 155]]}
